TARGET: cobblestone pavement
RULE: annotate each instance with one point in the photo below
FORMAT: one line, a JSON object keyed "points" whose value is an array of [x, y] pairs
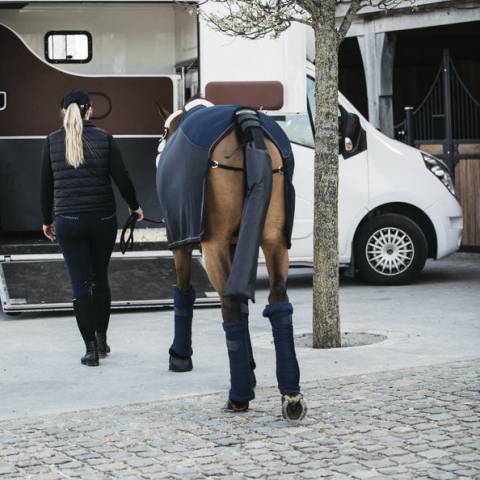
{"points": [[406, 424]]}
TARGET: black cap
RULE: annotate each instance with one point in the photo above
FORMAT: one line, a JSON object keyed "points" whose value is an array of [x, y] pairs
{"points": [[80, 97]]}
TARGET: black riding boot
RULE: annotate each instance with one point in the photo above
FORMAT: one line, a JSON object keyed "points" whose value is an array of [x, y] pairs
{"points": [[102, 345], [101, 304], [91, 356], [84, 313]]}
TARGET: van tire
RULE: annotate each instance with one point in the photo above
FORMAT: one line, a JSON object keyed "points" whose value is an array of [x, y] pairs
{"points": [[389, 249]]}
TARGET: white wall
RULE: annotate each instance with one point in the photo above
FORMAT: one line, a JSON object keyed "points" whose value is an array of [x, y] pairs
{"points": [[127, 39], [185, 34]]}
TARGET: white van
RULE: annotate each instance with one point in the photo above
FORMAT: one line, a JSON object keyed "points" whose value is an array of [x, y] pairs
{"points": [[397, 205]]}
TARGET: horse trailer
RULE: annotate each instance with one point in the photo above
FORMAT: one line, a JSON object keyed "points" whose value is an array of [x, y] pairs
{"points": [[396, 205]]}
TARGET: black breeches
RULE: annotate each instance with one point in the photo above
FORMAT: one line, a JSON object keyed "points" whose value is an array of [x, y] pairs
{"points": [[87, 241]]}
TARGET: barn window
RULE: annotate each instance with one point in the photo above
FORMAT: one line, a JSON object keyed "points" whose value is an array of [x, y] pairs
{"points": [[68, 46]]}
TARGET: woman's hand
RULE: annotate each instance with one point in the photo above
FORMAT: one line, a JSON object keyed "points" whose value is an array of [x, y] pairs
{"points": [[138, 212], [49, 232]]}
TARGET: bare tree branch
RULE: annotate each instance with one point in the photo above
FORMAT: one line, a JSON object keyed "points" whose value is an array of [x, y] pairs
{"points": [[385, 4], [307, 5], [259, 18], [256, 18], [355, 5]]}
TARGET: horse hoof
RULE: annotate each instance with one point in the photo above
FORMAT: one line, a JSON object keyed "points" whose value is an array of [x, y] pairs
{"points": [[294, 407], [177, 364], [235, 407]]}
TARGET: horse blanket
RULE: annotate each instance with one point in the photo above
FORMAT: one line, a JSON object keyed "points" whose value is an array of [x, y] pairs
{"points": [[184, 164]]}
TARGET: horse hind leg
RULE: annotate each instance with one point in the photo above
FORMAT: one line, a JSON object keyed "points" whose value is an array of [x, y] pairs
{"points": [[279, 310], [183, 299], [218, 259], [224, 204]]}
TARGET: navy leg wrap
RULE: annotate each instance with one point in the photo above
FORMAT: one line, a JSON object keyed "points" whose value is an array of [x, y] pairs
{"points": [[182, 341], [244, 318], [241, 386], [288, 373]]}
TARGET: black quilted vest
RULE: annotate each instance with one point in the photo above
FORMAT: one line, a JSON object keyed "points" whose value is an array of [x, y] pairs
{"points": [[88, 187]]}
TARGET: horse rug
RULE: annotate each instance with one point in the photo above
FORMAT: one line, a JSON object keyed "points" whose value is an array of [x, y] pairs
{"points": [[184, 164]]}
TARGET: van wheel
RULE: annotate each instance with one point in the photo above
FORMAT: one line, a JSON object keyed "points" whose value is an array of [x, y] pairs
{"points": [[390, 249]]}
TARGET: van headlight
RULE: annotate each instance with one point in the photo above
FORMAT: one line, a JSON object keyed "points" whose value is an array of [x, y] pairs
{"points": [[440, 170]]}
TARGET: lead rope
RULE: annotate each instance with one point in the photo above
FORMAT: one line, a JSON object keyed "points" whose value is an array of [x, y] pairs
{"points": [[127, 243]]}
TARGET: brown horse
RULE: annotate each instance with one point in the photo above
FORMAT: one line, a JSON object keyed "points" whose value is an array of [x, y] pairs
{"points": [[224, 200]]}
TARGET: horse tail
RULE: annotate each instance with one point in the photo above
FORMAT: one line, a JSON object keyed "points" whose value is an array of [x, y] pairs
{"points": [[258, 167]]}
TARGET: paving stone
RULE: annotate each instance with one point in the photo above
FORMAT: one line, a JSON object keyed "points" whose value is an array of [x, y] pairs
{"points": [[6, 469], [441, 475], [469, 457], [376, 464], [468, 473], [433, 453]]}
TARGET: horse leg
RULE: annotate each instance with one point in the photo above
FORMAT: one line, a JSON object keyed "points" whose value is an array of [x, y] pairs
{"points": [[183, 299], [279, 310], [224, 204], [235, 324]]}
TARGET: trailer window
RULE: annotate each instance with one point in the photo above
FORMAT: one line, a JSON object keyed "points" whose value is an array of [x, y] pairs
{"points": [[68, 46], [297, 127]]}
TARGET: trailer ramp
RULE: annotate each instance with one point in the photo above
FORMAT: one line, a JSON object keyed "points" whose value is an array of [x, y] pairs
{"points": [[141, 279]]}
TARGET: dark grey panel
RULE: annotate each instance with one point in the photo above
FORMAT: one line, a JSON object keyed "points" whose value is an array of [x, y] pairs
{"points": [[20, 163], [139, 155]]}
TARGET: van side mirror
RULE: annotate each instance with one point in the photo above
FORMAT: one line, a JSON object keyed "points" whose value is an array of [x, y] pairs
{"points": [[352, 136]]}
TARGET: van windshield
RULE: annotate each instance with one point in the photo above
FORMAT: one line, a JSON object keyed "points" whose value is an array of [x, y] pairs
{"points": [[299, 127]]}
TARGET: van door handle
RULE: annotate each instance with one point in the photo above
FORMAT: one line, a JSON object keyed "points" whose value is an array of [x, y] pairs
{"points": [[3, 100]]}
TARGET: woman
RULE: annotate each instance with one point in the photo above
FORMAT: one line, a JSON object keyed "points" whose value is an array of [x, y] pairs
{"points": [[78, 209]]}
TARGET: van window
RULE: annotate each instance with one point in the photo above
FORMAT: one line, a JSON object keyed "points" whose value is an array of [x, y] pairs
{"points": [[298, 128], [311, 97], [68, 46]]}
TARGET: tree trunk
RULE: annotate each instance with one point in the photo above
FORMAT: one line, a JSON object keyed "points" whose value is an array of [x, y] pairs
{"points": [[326, 320]]}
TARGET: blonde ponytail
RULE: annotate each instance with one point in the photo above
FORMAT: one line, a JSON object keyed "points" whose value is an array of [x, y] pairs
{"points": [[73, 124]]}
